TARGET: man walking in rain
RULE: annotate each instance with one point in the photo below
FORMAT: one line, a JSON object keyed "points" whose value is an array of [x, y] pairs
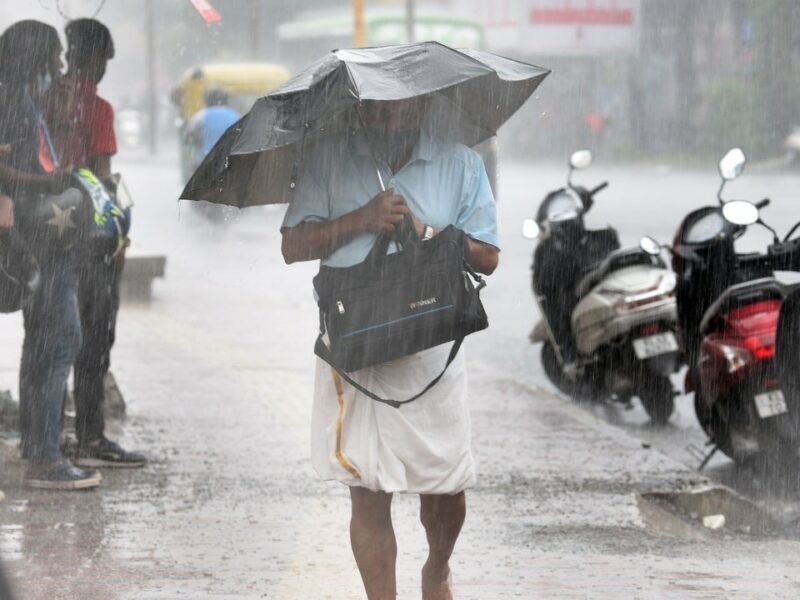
{"points": [[423, 447]]}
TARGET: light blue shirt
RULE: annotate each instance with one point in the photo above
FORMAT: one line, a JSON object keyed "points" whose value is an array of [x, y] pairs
{"points": [[213, 122], [444, 183]]}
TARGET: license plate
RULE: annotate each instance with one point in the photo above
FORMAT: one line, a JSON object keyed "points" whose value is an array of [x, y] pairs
{"points": [[655, 345], [770, 404]]}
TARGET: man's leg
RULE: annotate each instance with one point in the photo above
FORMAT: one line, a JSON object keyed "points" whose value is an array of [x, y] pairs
{"points": [[442, 516], [373, 541]]}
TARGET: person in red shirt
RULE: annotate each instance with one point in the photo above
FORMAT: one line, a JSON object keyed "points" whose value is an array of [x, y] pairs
{"points": [[86, 139], [87, 119]]}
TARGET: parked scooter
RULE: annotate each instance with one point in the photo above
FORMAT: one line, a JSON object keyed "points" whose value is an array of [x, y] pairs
{"points": [[792, 147], [608, 314], [731, 347]]}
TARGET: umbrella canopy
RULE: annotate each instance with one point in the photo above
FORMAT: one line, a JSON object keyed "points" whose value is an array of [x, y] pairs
{"points": [[472, 94]]}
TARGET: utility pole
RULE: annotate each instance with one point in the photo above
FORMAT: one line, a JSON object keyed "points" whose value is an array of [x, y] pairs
{"points": [[359, 36], [150, 26], [255, 28], [410, 21]]}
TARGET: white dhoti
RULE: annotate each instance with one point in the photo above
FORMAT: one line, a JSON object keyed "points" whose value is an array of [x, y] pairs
{"points": [[422, 447]]}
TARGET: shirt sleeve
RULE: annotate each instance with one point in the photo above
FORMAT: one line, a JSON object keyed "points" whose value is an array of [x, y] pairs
{"points": [[478, 215], [310, 200], [103, 142]]}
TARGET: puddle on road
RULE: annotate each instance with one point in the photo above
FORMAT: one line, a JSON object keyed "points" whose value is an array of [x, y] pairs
{"points": [[705, 513]]}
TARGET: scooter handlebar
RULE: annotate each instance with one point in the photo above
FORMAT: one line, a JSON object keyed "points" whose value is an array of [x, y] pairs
{"points": [[599, 188], [785, 256], [762, 203]]}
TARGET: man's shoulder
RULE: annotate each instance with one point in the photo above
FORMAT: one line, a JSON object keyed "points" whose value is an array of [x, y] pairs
{"points": [[103, 111], [103, 104], [456, 151], [221, 112]]}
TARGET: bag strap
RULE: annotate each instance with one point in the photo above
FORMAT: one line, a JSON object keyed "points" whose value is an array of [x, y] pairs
{"points": [[406, 239], [323, 352]]}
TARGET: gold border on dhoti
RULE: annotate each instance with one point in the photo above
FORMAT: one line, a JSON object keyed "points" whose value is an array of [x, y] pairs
{"points": [[337, 381]]}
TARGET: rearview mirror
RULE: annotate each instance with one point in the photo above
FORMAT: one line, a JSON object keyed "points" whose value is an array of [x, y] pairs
{"points": [[650, 246], [740, 212], [580, 159], [732, 164], [530, 229]]}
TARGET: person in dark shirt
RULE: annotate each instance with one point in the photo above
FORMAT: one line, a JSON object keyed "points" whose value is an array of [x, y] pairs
{"points": [[30, 57]]}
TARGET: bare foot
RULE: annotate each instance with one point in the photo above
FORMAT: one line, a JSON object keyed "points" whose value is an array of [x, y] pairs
{"points": [[437, 584]]}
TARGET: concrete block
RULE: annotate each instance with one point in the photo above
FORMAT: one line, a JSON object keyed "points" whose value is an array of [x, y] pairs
{"points": [[138, 275]]}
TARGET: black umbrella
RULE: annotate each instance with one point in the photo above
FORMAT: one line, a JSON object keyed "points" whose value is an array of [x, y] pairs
{"points": [[472, 93]]}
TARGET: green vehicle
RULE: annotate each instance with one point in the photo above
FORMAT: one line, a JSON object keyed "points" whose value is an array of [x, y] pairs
{"points": [[304, 40]]}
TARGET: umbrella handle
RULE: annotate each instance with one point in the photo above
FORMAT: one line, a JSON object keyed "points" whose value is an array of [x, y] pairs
{"points": [[380, 178], [371, 149]]}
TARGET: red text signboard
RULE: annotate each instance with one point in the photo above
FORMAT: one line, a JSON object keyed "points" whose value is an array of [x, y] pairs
{"points": [[206, 11], [561, 27]]}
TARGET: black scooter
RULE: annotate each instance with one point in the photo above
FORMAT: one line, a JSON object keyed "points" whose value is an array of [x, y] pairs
{"points": [[608, 314]]}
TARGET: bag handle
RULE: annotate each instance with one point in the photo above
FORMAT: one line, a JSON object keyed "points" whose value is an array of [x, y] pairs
{"points": [[406, 239], [321, 350]]}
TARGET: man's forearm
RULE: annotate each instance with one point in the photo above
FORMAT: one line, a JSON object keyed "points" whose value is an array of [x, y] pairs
{"points": [[483, 257], [314, 241]]}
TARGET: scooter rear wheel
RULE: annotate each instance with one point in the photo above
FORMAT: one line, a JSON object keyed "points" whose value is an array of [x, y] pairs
{"points": [[657, 398]]}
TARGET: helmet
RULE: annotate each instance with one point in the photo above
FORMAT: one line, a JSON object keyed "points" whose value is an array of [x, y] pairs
{"points": [[111, 221]]}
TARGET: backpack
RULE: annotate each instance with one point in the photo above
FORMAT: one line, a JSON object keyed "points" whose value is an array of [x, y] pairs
{"points": [[111, 220]]}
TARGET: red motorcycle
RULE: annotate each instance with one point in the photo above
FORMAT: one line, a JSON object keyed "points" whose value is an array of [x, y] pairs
{"points": [[738, 399], [728, 310]]}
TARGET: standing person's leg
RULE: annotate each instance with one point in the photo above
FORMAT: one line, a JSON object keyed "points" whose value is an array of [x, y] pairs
{"points": [[92, 362], [99, 299], [52, 339], [373, 541], [442, 516]]}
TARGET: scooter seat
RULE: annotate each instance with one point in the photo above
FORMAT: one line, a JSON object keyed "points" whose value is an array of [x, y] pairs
{"points": [[765, 288], [619, 259]]}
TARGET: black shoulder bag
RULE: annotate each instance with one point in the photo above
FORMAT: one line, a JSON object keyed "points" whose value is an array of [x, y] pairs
{"points": [[19, 272], [393, 305]]}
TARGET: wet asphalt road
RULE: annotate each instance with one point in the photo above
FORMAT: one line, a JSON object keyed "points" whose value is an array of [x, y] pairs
{"points": [[217, 373]]}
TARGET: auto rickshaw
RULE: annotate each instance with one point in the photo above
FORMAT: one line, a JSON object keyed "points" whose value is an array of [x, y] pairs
{"points": [[243, 83]]}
